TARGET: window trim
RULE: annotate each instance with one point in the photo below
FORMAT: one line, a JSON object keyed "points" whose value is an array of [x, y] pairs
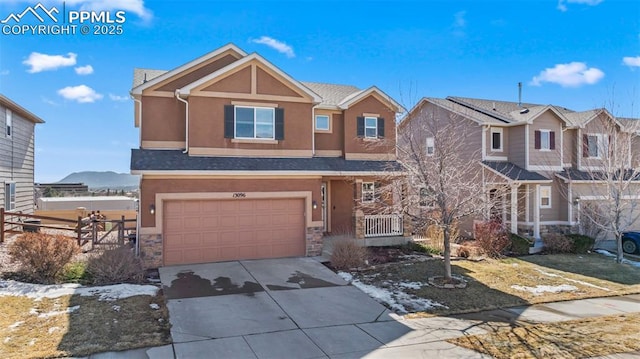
{"points": [[372, 191], [369, 127], [255, 132], [8, 130], [548, 132], [542, 189], [9, 205], [433, 146], [315, 123], [600, 145], [499, 131]]}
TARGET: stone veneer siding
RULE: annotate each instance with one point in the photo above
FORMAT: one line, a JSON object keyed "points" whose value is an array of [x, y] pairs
{"points": [[314, 241], [151, 250], [546, 229]]}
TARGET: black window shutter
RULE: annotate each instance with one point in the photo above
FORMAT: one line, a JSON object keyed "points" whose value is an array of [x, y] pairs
{"points": [[360, 127], [585, 146], [279, 131], [552, 140], [380, 127], [228, 121], [537, 139]]}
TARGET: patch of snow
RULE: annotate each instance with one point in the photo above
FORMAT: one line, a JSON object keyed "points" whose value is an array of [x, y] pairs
{"points": [[59, 312], [154, 306], [32, 342], [15, 325], [39, 291], [541, 289], [53, 329], [624, 260], [572, 280], [412, 285], [116, 308], [346, 276], [548, 274]]}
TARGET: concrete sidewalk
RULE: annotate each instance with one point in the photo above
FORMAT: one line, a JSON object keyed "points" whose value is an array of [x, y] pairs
{"points": [[406, 338]]}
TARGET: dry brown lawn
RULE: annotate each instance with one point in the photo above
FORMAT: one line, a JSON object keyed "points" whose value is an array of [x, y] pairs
{"points": [[582, 338], [50, 327], [491, 282]]}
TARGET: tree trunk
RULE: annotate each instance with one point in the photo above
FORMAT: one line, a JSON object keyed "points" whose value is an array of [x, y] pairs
{"points": [[447, 254], [619, 255]]}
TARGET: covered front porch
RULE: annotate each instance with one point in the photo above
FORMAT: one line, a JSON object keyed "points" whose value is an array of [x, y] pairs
{"points": [[524, 201]]}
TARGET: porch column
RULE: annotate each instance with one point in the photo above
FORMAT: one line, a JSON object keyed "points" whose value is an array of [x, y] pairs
{"points": [[536, 212], [514, 208]]}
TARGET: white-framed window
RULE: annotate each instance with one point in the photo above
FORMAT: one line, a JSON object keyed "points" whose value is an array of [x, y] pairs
{"points": [[9, 196], [545, 196], [322, 123], [430, 146], [371, 127], [496, 139], [9, 123], [254, 122], [545, 140], [368, 192], [425, 198], [596, 144]]}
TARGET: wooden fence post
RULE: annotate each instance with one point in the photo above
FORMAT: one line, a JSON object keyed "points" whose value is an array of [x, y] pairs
{"points": [[1, 225], [79, 230]]}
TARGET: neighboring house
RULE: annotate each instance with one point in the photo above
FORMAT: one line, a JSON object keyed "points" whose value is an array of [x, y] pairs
{"points": [[17, 127], [538, 159], [240, 160]]}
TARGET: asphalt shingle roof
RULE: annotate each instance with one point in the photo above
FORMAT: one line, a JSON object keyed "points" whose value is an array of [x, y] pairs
{"points": [[577, 175], [332, 94], [176, 160], [140, 76], [514, 172]]}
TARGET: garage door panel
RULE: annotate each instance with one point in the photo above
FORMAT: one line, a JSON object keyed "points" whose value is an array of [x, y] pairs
{"points": [[198, 231]]}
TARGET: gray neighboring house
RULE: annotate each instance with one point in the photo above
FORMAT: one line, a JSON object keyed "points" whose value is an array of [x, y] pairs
{"points": [[17, 128]]}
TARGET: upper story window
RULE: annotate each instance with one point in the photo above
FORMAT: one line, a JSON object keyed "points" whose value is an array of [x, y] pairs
{"points": [[368, 192], [253, 122], [545, 140], [9, 122], [594, 144], [430, 146], [370, 127], [545, 196], [10, 196], [322, 123], [496, 139]]}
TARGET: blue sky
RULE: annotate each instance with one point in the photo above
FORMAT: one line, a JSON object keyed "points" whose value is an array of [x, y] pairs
{"points": [[579, 54]]}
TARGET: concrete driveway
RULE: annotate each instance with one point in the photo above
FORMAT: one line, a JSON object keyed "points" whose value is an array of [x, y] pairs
{"points": [[285, 308]]}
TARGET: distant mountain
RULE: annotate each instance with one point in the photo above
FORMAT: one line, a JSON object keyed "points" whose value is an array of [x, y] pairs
{"points": [[108, 179]]}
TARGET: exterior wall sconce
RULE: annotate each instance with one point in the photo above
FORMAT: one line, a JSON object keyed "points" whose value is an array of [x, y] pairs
{"points": [[314, 204], [576, 201], [152, 208]]}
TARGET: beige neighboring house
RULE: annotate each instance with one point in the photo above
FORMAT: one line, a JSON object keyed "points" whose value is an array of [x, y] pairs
{"points": [[17, 128], [541, 156], [239, 160]]}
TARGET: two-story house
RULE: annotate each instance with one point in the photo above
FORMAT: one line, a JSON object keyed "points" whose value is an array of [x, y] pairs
{"points": [[539, 159], [239, 160], [17, 129]]}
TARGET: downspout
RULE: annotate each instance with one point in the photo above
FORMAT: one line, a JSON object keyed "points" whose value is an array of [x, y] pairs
{"points": [[139, 117], [186, 119], [313, 130]]}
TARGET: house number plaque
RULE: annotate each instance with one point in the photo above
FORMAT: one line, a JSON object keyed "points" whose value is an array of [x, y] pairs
{"points": [[239, 195]]}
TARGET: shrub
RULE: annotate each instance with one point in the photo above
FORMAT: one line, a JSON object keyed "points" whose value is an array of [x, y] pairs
{"points": [[557, 243], [42, 256], [424, 247], [348, 254], [581, 243], [492, 238], [115, 265], [463, 252], [520, 245], [74, 272]]}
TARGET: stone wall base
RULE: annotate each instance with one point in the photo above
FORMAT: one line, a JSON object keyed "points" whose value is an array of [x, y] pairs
{"points": [[314, 241], [151, 250]]}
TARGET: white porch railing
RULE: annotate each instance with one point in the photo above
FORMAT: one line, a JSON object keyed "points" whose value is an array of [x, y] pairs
{"points": [[382, 225]]}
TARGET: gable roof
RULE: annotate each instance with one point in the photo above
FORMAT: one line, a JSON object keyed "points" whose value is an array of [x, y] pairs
{"points": [[137, 90], [23, 112], [141, 76], [331, 94], [245, 60], [357, 96]]}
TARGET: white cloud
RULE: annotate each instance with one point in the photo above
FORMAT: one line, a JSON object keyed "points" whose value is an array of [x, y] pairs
{"points": [[81, 94], [459, 23], [130, 6], [276, 45], [573, 74], [562, 4], [43, 62], [118, 98], [631, 61], [4, 72], [49, 102], [84, 70]]}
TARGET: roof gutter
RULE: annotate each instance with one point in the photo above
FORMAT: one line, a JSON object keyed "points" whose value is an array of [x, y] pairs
{"points": [[186, 120]]}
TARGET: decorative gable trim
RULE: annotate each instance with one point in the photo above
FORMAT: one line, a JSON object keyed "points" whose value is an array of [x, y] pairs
{"points": [[189, 65], [379, 94]]}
